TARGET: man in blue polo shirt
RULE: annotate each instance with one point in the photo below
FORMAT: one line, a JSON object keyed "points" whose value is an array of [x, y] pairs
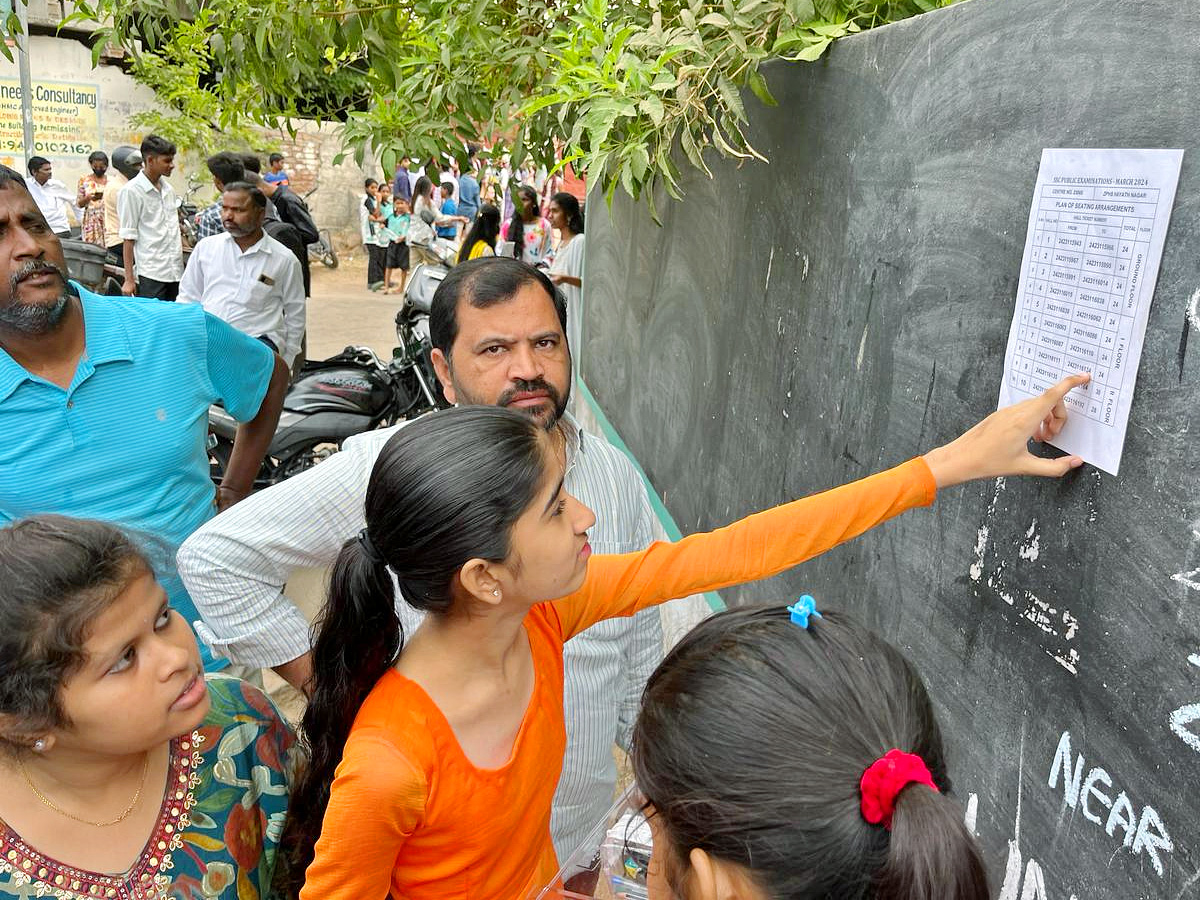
{"points": [[104, 400]]}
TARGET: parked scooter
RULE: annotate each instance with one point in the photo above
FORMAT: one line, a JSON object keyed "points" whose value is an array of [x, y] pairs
{"points": [[336, 398]]}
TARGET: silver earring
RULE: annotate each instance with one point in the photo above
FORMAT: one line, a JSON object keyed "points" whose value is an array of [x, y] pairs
{"points": [[496, 593], [39, 745]]}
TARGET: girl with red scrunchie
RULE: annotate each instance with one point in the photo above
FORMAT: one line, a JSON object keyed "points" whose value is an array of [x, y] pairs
{"points": [[783, 762]]}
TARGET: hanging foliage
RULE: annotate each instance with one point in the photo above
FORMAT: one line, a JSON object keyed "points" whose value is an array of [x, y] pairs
{"points": [[621, 83]]}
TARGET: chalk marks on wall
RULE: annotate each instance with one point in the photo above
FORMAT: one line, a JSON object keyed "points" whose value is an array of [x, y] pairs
{"points": [[1139, 833], [1030, 887], [1088, 792], [991, 569], [1189, 579], [1185, 721], [1023, 879]]}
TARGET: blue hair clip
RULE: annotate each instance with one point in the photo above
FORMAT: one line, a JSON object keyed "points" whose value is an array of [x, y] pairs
{"points": [[802, 609]]}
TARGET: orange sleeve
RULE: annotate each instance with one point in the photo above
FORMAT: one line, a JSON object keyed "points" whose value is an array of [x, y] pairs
{"points": [[756, 547], [376, 802]]}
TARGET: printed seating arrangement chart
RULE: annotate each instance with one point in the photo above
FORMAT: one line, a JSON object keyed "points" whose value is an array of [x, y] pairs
{"points": [[1096, 230]]}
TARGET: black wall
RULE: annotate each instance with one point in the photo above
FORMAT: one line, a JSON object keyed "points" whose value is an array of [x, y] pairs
{"points": [[804, 323]]}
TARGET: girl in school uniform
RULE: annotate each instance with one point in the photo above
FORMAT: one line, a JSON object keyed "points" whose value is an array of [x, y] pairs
{"points": [[434, 758]]}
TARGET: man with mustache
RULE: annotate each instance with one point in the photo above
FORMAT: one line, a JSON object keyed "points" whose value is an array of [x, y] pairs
{"points": [[247, 277], [498, 327], [104, 400]]}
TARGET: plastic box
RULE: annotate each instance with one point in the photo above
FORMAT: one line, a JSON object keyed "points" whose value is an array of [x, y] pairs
{"points": [[85, 262], [616, 854]]}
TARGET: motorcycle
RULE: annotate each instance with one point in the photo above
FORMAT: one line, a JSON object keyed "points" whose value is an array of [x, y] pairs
{"points": [[187, 210], [336, 398]]}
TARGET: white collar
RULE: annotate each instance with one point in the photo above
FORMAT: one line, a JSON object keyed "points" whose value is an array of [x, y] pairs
{"points": [[262, 245]]}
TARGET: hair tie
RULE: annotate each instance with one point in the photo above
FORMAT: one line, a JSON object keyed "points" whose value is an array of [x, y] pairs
{"points": [[369, 550], [803, 608], [883, 781]]}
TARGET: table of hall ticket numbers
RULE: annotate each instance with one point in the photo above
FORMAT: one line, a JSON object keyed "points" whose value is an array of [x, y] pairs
{"points": [[1096, 230]]}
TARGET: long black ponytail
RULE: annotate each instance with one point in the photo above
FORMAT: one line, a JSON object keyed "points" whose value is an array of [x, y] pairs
{"points": [[516, 225], [750, 745], [445, 489], [486, 228]]}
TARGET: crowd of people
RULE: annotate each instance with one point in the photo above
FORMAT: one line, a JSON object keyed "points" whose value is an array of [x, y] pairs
{"points": [[250, 264], [490, 628], [439, 214]]}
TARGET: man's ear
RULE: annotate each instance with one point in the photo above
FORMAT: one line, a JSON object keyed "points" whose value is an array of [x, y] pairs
{"points": [[441, 365], [481, 580]]}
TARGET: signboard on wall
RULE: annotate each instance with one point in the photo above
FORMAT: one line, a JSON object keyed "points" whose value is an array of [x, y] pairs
{"points": [[66, 119]]}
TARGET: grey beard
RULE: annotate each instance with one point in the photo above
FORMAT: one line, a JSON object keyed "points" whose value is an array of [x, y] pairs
{"points": [[34, 318]]}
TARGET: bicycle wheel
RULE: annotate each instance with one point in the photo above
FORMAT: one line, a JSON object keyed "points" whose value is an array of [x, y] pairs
{"points": [[329, 257]]}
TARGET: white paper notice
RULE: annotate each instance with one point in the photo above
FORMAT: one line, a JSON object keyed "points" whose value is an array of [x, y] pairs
{"points": [[1095, 240]]}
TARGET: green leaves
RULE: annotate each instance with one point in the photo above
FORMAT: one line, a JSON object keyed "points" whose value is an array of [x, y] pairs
{"points": [[758, 85], [654, 108], [625, 88]]}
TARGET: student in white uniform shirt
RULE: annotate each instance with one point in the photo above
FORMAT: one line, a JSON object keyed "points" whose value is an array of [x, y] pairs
{"points": [[50, 195], [152, 247], [499, 332], [248, 278]]}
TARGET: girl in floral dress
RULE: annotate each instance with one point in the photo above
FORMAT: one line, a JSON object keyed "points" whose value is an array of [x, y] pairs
{"points": [[528, 229], [126, 773], [90, 198]]}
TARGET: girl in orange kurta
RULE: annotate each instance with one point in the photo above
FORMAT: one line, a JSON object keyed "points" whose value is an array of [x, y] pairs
{"points": [[447, 754]]}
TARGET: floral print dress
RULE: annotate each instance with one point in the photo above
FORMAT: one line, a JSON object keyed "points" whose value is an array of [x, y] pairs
{"points": [[93, 210], [537, 240], [217, 834]]}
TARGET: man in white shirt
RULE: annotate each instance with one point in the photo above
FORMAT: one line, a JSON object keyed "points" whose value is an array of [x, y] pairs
{"points": [[246, 277], [50, 195], [498, 328], [148, 208]]}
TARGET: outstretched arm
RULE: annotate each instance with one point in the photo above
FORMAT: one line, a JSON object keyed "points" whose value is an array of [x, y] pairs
{"points": [[777, 539]]}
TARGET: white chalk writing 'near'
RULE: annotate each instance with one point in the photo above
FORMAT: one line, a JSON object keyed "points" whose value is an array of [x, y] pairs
{"points": [[1116, 816]]}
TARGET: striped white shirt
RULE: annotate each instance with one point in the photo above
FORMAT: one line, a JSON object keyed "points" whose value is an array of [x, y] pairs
{"points": [[235, 568]]}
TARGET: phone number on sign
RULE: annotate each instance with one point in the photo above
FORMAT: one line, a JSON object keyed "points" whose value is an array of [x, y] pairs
{"points": [[58, 148]]}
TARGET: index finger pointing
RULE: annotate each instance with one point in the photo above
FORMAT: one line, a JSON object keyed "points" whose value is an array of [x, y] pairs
{"points": [[1068, 384]]}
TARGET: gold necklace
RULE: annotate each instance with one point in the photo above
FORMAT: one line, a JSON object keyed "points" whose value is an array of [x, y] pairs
{"points": [[62, 812]]}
